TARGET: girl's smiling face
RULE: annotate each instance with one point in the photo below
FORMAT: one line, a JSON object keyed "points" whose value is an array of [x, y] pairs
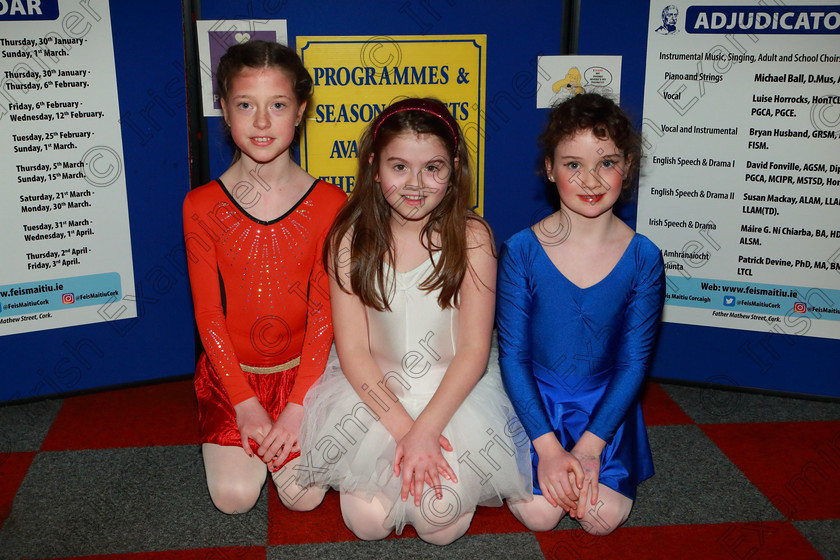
{"points": [[414, 172], [262, 112], [589, 173]]}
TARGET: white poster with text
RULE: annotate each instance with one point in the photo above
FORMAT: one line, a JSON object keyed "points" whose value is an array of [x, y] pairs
{"points": [[740, 186], [64, 214]]}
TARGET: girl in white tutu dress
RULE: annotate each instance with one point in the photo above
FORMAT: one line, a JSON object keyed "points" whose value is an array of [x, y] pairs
{"points": [[408, 422]]}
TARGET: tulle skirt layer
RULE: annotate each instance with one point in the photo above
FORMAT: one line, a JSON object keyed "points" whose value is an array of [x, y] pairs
{"points": [[344, 446]]}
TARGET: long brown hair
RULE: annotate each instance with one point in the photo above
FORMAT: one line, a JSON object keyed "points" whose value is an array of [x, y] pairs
{"points": [[366, 218]]}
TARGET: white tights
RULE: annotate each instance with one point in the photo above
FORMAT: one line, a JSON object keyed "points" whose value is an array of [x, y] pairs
{"points": [[235, 481], [603, 518], [367, 521]]}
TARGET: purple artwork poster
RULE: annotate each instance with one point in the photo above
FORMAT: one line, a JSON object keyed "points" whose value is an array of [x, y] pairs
{"points": [[214, 39], [221, 41]]}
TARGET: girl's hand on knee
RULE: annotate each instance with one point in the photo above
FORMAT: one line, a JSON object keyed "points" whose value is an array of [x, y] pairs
{"points": [[253, 423], [559, 473], [282, 439], [588, 451], [560, 477], [591, 465], [419, 460]]}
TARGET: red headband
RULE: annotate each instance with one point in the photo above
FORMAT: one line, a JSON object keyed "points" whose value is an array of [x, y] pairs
{"points": [[425, 105]]}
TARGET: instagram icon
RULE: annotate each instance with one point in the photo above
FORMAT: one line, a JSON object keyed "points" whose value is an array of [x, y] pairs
{"points": [[68, 298]]}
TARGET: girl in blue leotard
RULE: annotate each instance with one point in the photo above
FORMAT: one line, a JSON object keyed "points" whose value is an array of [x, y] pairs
{"points": [[579, 300]]}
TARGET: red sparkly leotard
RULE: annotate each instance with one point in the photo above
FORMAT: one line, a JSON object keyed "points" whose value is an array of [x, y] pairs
{"points": [[261, 298]]}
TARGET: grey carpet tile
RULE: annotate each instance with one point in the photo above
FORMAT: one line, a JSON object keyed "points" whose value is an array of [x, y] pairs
{"points": [[695, 483], [23, 427], [121, 500], [717, 406], [510, 546], [824, 535]]}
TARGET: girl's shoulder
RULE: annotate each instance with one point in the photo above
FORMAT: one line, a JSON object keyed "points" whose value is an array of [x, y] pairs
{"points": [[478, 231], [327, 200], [328, 193], [521, 250], [210, 193], [522, 240], [645, 247], [650, 266]]}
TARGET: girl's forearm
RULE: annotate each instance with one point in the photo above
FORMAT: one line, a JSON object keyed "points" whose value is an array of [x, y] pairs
{"points": [[365, 376], [461, 376], [590, 444]]}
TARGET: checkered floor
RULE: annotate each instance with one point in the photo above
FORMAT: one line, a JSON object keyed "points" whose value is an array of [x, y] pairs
{"points": [[119, 474]]}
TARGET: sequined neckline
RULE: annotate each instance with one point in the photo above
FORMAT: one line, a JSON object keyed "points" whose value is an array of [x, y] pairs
{"points": [[261, 222]]}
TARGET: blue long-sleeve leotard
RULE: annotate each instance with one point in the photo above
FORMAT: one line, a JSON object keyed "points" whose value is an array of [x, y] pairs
{"points": [[574, 359]]}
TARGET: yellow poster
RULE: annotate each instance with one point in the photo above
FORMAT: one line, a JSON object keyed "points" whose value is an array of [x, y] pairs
{"points": [[356, 78]]}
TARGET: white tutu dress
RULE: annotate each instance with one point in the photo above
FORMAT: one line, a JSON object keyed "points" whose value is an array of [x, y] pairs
{"points": [[344, 446]]}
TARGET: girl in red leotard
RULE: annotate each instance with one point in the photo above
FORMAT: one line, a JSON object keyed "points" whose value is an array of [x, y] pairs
{"points": [[254, 239]]}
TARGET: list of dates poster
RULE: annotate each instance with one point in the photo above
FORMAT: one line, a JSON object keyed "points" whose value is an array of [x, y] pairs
{"points": [[740, 185], [64, 214]]}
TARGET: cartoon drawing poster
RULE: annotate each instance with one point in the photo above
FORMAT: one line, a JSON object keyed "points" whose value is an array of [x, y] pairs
{"points": [[740, 187], [63, 207], [561, 77]]}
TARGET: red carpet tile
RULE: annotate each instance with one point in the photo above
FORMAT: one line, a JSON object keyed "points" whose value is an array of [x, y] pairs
{"points": [[323, 524], [13, 467], [235, 553], [408, 533], [776, 540], [795, 464], [495, 520], [659, 409], [162, 414], [285, 527], [486, 521]]}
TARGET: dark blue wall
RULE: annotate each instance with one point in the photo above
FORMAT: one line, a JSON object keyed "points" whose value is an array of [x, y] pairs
{"points": [[148, 44], [149, 53], [514, 195]]}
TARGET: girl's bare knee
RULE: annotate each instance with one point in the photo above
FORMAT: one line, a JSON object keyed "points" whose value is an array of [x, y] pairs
{"points": [[233, 479], [598, 527], [365, 519], [446, 534], [608, 514], [366, 529], [541, 522], [305, 499], [536, 514], [234, 496], [294, 496]]}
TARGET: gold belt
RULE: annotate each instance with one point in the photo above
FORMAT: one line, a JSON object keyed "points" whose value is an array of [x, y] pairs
{"points": [[271, 369]]}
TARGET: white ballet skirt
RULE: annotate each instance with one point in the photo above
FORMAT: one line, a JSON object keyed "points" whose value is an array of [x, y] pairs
{"points": [[344, 446]]}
